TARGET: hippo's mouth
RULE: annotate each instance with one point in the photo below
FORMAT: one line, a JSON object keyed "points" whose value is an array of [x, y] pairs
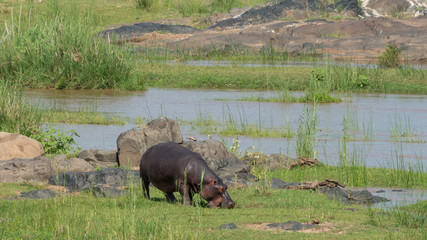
{"points": [[227, 202]]}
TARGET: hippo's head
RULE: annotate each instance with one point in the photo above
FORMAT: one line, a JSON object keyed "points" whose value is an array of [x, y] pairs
{"points": [[215, 192]]}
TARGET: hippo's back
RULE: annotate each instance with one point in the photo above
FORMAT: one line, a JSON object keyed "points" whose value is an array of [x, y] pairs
{"points": [[164, 165]]}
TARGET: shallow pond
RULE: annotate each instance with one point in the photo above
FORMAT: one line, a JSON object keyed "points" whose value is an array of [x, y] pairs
{"points": [[370, 116]]}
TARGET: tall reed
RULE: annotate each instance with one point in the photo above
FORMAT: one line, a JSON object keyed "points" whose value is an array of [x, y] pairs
{"points": [[60, 49], [17, 115], [306, 142]]}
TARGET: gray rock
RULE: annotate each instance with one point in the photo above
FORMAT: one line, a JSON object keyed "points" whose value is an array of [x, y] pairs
{"points": [[17, 170], [72, 165], [290, 226], [80, 181], [262, 160], [228, 226], [102, 190], [99, 158], [38, 194], [134, 142], [277, 183], [228, 167]]}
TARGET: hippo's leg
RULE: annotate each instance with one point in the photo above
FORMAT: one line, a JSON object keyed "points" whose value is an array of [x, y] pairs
{"points": [[145, 187], [170, 197], [186, 194]]}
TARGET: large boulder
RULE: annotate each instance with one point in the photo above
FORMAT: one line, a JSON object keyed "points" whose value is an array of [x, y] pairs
{"points": [[264, 161], [134, 142], [225, 164], [99, 158], [16, 170], [71, 165], [14, 145]]}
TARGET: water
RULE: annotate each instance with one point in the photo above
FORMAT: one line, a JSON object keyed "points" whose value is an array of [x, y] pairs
{"points": [[376, 110], [397, 196]]}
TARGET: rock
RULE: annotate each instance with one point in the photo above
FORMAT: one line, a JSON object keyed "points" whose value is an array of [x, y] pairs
{"points": [[335, 192], [137, 29], [262, 160], [99, 158], [103, 190], [38, 194], [17, 170], [277, 183], [389, 7], [14, 145], [290, 226], [228, 167], [72, 165], [134, 142], [296, 9], [228, 226], [80, 181]]}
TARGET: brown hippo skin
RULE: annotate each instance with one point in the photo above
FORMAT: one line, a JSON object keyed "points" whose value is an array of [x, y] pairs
{"points": [[171, 167]]}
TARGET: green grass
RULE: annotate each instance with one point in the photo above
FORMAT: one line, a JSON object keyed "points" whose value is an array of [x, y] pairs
{"points": [[351, 176], [340, 78], [58, 48], [81, 117], [17, 114], [84, 216], [236, 124]]}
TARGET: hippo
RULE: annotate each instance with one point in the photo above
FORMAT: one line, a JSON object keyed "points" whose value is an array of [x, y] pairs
{"points": [[171, 167]]}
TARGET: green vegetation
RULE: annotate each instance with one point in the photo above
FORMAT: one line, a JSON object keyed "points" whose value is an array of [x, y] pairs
{"points": [[390, 57], [17, 115], [340, 78], [236, 125], [60, 49], [307, 133], [357, 176], [131, 216], [56, 141]]}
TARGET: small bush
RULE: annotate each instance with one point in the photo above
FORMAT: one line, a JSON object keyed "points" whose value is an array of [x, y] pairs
{"points": [[56, 141], [390, 57], [144, 4]]}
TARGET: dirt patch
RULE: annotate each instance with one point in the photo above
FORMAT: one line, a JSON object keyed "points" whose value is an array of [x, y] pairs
{"points": [[326, 227]]}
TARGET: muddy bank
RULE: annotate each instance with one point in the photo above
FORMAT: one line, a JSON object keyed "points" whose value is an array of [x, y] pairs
{"points": [[258, 29]]}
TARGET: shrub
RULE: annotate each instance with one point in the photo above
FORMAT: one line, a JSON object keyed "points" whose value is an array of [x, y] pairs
{"points": [[390, 57]]}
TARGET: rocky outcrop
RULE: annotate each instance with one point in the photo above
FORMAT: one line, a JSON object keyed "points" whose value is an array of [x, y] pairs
{"points": [[14, 145], [17, 170], [133, 143], [356, 40]]}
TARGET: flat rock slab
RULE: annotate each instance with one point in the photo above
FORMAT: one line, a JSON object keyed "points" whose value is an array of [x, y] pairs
{"points": [[37, 194], [135, 30], [228, 226], [290, 226], [80, 181]]}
